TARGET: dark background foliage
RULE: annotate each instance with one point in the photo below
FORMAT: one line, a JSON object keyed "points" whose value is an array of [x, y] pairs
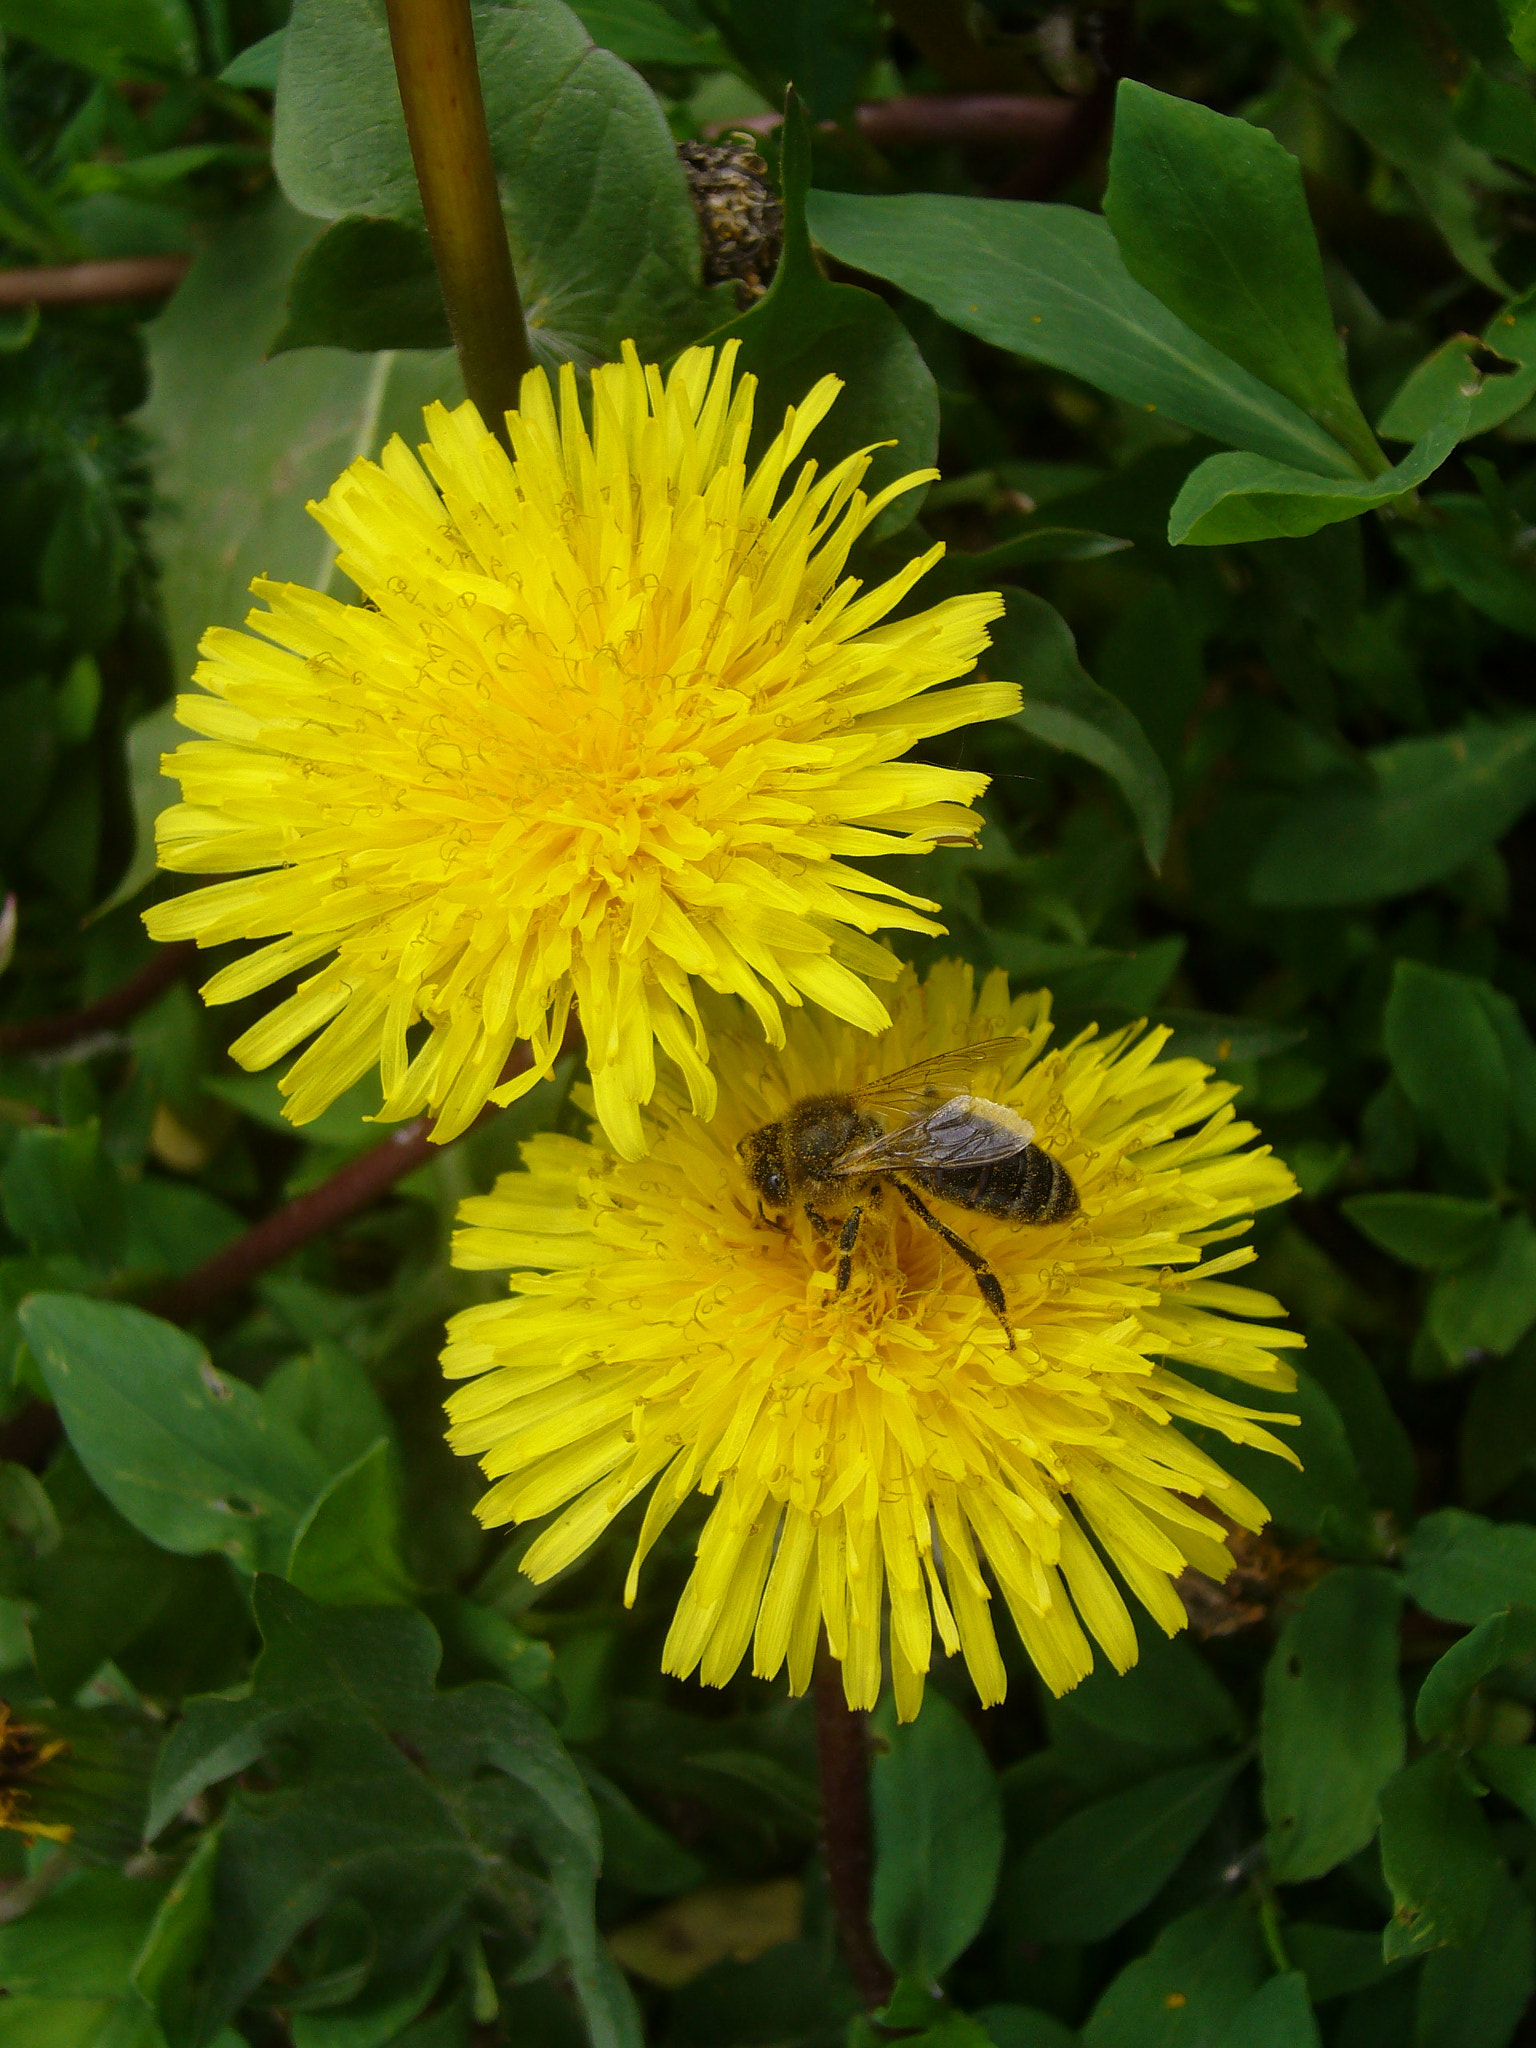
{"points": [[1273, 786]]}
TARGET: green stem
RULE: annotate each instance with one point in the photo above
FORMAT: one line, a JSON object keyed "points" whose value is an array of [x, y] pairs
{"points": [[434, 46]]}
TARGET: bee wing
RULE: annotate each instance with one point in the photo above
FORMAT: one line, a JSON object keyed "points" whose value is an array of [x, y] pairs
{"points": [[965, 1131], [914, 1088]]}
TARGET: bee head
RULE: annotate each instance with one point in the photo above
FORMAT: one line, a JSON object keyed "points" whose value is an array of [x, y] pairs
{"points": [[763, 1152]]}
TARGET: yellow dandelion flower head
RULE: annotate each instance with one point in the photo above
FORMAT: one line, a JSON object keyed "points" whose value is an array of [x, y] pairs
{"points": [[607, 727], [884, 1449]]}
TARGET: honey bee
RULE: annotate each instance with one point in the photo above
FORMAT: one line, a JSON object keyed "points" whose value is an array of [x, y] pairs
{"points": [[958, 1147]]}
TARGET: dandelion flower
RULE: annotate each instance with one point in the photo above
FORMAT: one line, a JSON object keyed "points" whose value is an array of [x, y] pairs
{"points": [[884, 1448], [607, 728]]}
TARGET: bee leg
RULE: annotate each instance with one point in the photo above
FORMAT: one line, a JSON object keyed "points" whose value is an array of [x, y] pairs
{"points": [[773, 1222], [848, 1238], [818, 1222], [987, 1282]]}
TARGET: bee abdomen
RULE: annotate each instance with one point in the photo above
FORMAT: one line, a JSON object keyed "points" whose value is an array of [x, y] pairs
{"points": [[1029, 1188]]}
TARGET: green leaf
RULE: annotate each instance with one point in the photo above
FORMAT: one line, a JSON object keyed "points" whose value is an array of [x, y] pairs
{"points": [[1170, 1700], [1486, 1307], [1191, 1984], [1449, 1062], [1475, 1997], [823, 48], [365, 284], [636, 1852], [1279, 2015], [255, 69], [81, 1940], [394, 1795], [1332, 1731], [1429, 390], [649, 32], [327, 1397], [1436, 805], [1439, 1858], [142, 39], [1389, 87], [806, 328], [1497, 115], [1049, 283], [1090, 1875], [346, 1551], [241, 443], [1383, 1449], [1450, 1682], [1465, 1568], [1210, 215], [61, 1194], [1022, 2026], [1432, 1232], [1250, 497], [938, 1825], [1066, 708], [1325, 1498], [163, 1970], [604, 237], [187, 1456]]}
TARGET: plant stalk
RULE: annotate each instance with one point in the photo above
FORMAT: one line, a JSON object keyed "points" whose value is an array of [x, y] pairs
{"points": [[842, 1758], [434, 47]]}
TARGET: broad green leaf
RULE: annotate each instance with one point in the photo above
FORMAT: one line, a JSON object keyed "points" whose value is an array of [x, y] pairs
{"points": [[1033, 645], [1325, 1497], [604, 237], [1520, 1062], [379, 2018], [1433, 1232], [1450, 1682], [1428, 391], [1170, 1699], [636, 1852], [143, 39], [187, 1456], [823, 48], [255, 69], [1383, 1449], [1333, 1722], [241, 443], [938, 1826], [1439, 1858], [1022, 2026], [1483, 557], [1486, 1307], [1437, 804], [1191, 1984], [327, 1397], [649, 32], [806, 328], [1498, 1431], [1049, 283], [365, 284], [346, 1551], [405, 1796], [81, 1939], [1210, 215], [1475, 1997], [1389, 87], [1334, 1960], [1496, 114], [1466, 1568], [1251, 497], [1090, 1875], [164, 1968], [1279, 2015], [1449, 1062], [61, 1194]]}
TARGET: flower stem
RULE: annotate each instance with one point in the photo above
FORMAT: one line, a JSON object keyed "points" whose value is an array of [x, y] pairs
{"points": [[434, 46], [842, 1757]]}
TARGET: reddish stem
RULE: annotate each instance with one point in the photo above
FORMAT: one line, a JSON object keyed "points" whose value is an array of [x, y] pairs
{"points": [[50, 1034], [93, 284], [842, 1757]]}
